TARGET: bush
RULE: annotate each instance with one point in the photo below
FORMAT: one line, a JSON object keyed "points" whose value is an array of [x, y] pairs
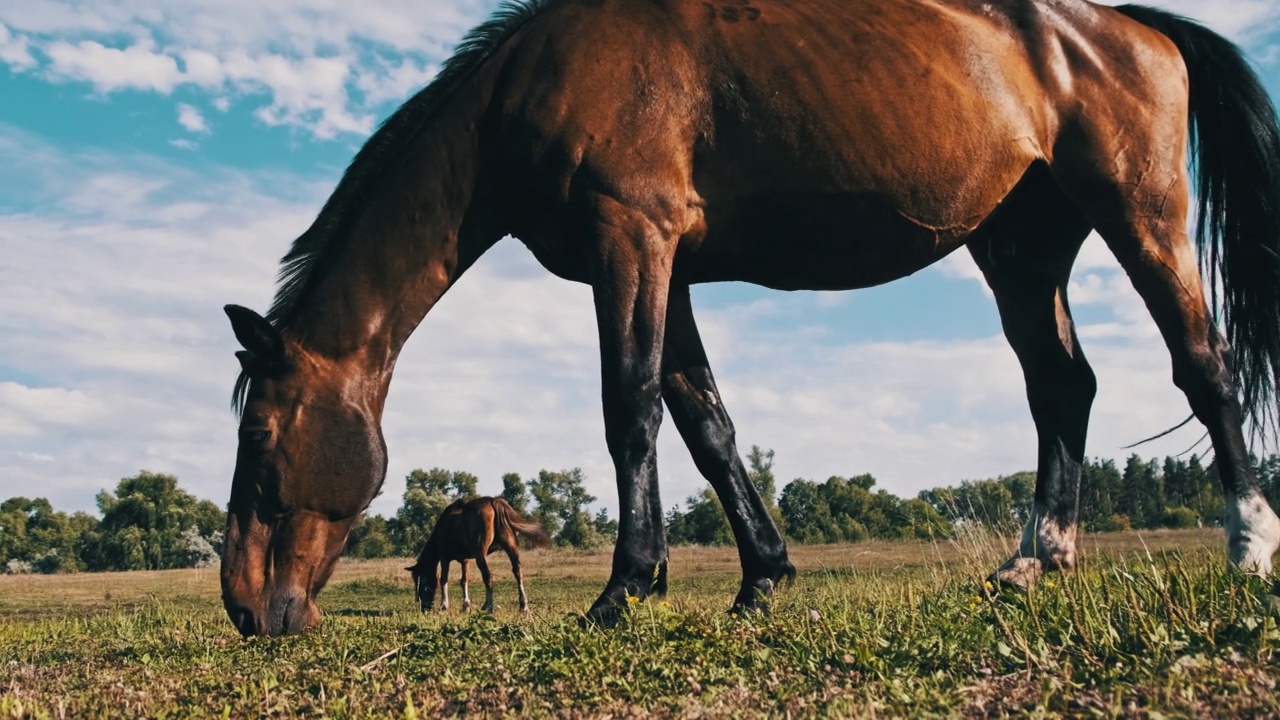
{"points": [[1181, 517], [17, 567], [1113, 523], [198, 550], [48, 564]]}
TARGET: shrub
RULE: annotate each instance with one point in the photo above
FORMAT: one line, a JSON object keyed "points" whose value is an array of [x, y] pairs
{"points": [[1181, 517], [1112, 523]]}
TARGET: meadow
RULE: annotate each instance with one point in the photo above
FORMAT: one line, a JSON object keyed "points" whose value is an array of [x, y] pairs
{"points": [[1152, 626]]}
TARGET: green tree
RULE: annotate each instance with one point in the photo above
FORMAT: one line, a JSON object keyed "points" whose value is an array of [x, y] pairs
{"points": [[1100, 483], [33, 534], [605, 526], [370, 538], [806, 512], [426, 494], [515, 492], [145, 523], [562, 499], [1141, 496], [702, 523]]}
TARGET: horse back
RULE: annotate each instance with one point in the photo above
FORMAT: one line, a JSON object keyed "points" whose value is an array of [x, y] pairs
{"points": [[824, 144]]}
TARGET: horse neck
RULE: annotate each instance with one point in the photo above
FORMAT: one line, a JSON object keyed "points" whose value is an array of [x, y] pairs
{"points": [[424, 221]]}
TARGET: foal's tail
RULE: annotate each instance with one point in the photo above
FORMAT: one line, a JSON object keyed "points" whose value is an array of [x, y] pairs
{"points": [[1236, 154], [505, 514]]}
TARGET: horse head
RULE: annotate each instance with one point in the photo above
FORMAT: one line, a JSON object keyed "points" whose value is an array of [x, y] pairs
{"points": [[311, 457]]}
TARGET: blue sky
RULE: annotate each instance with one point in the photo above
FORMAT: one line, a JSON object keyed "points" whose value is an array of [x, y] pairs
{"points": [[159, 157]]}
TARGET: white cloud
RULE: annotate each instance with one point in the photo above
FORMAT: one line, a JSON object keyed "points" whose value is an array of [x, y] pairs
{"points": [[136, 67], [324, 69], [191, 119], [14, 50], [24, 410]]}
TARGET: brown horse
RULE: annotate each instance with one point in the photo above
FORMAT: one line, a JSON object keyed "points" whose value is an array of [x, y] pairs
{"points": [[471, 530], [641, 146]]}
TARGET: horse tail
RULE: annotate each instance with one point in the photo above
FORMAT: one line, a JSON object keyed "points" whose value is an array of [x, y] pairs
{"points": [[518, 524], [1235, 144]]}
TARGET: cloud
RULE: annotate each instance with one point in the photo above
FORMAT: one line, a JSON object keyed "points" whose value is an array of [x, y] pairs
{"points": [[191, 119], [136, 67], [327, 70], [14, 50]]}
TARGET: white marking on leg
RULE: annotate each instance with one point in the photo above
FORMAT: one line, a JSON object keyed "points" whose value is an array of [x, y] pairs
{"points": [[1045, 547], [1253, 533], [524, 600]]}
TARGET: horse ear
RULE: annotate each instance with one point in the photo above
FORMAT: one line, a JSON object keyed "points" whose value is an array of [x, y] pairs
{"points": [[412, 568], [248, 362], [256, 334]]}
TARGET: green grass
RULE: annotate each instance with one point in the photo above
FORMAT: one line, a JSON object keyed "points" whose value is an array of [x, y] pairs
{"points": [[889, 629]]}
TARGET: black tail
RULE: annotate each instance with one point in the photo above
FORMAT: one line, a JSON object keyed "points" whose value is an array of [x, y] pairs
{"points": [[1236, 154]]}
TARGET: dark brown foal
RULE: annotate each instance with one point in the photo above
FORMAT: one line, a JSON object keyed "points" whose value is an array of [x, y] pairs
{"points": [[471, 530]]}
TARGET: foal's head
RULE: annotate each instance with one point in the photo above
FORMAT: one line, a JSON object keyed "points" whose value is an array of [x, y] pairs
{"points": [[311, 457], [424, 583]]}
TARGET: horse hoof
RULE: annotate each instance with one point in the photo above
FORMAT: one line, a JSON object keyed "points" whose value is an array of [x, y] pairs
{"points": [[604, 614], [1018, 573], [755, 596]]}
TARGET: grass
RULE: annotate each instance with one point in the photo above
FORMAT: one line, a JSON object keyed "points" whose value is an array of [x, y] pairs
{"points": [[1153, 625]]}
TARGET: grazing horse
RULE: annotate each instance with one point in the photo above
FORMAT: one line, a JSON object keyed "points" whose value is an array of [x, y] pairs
{"points": [[471, 530], [642, 146]]}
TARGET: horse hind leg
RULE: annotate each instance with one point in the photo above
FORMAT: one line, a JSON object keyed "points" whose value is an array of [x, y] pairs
{"points": [[513, 554], [485, 576], [1142, 215], [1025, 253]]}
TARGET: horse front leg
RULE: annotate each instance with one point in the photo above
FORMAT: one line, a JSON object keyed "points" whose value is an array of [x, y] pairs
{"points": [[700, 415], [444, 586], [631, 279], [466, 591]]}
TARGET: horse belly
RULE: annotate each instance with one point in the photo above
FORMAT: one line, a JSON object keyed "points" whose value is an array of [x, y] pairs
{"points": [[828, 241]]}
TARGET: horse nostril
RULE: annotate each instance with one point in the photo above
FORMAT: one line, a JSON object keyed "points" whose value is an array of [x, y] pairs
{"points": [[242, 618]]}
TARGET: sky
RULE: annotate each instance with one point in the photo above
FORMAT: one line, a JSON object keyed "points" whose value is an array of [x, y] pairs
{"points": [[158, 157]]}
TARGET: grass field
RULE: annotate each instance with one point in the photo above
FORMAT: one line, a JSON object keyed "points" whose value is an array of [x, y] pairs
{"points": [[1152, 625]]}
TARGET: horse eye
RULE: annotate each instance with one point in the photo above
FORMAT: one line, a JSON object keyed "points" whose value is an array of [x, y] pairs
{"points": [[256, 436]]}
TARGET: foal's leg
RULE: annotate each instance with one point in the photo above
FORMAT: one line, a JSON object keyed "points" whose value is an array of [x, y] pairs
{"points": [[483, 564], [1026, 252], [631, 274], [444, 585], [699, 414], [513, 554], [466, 592]]}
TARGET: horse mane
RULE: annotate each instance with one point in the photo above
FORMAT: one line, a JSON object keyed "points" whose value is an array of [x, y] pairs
{"points": [[312, 251]]}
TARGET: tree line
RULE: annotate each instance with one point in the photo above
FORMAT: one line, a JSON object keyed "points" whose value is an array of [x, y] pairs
{"points": [[150, 523]]}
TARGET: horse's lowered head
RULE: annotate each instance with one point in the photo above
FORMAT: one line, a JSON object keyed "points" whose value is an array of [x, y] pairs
{"points": [[311, 457], [425, 580]]}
